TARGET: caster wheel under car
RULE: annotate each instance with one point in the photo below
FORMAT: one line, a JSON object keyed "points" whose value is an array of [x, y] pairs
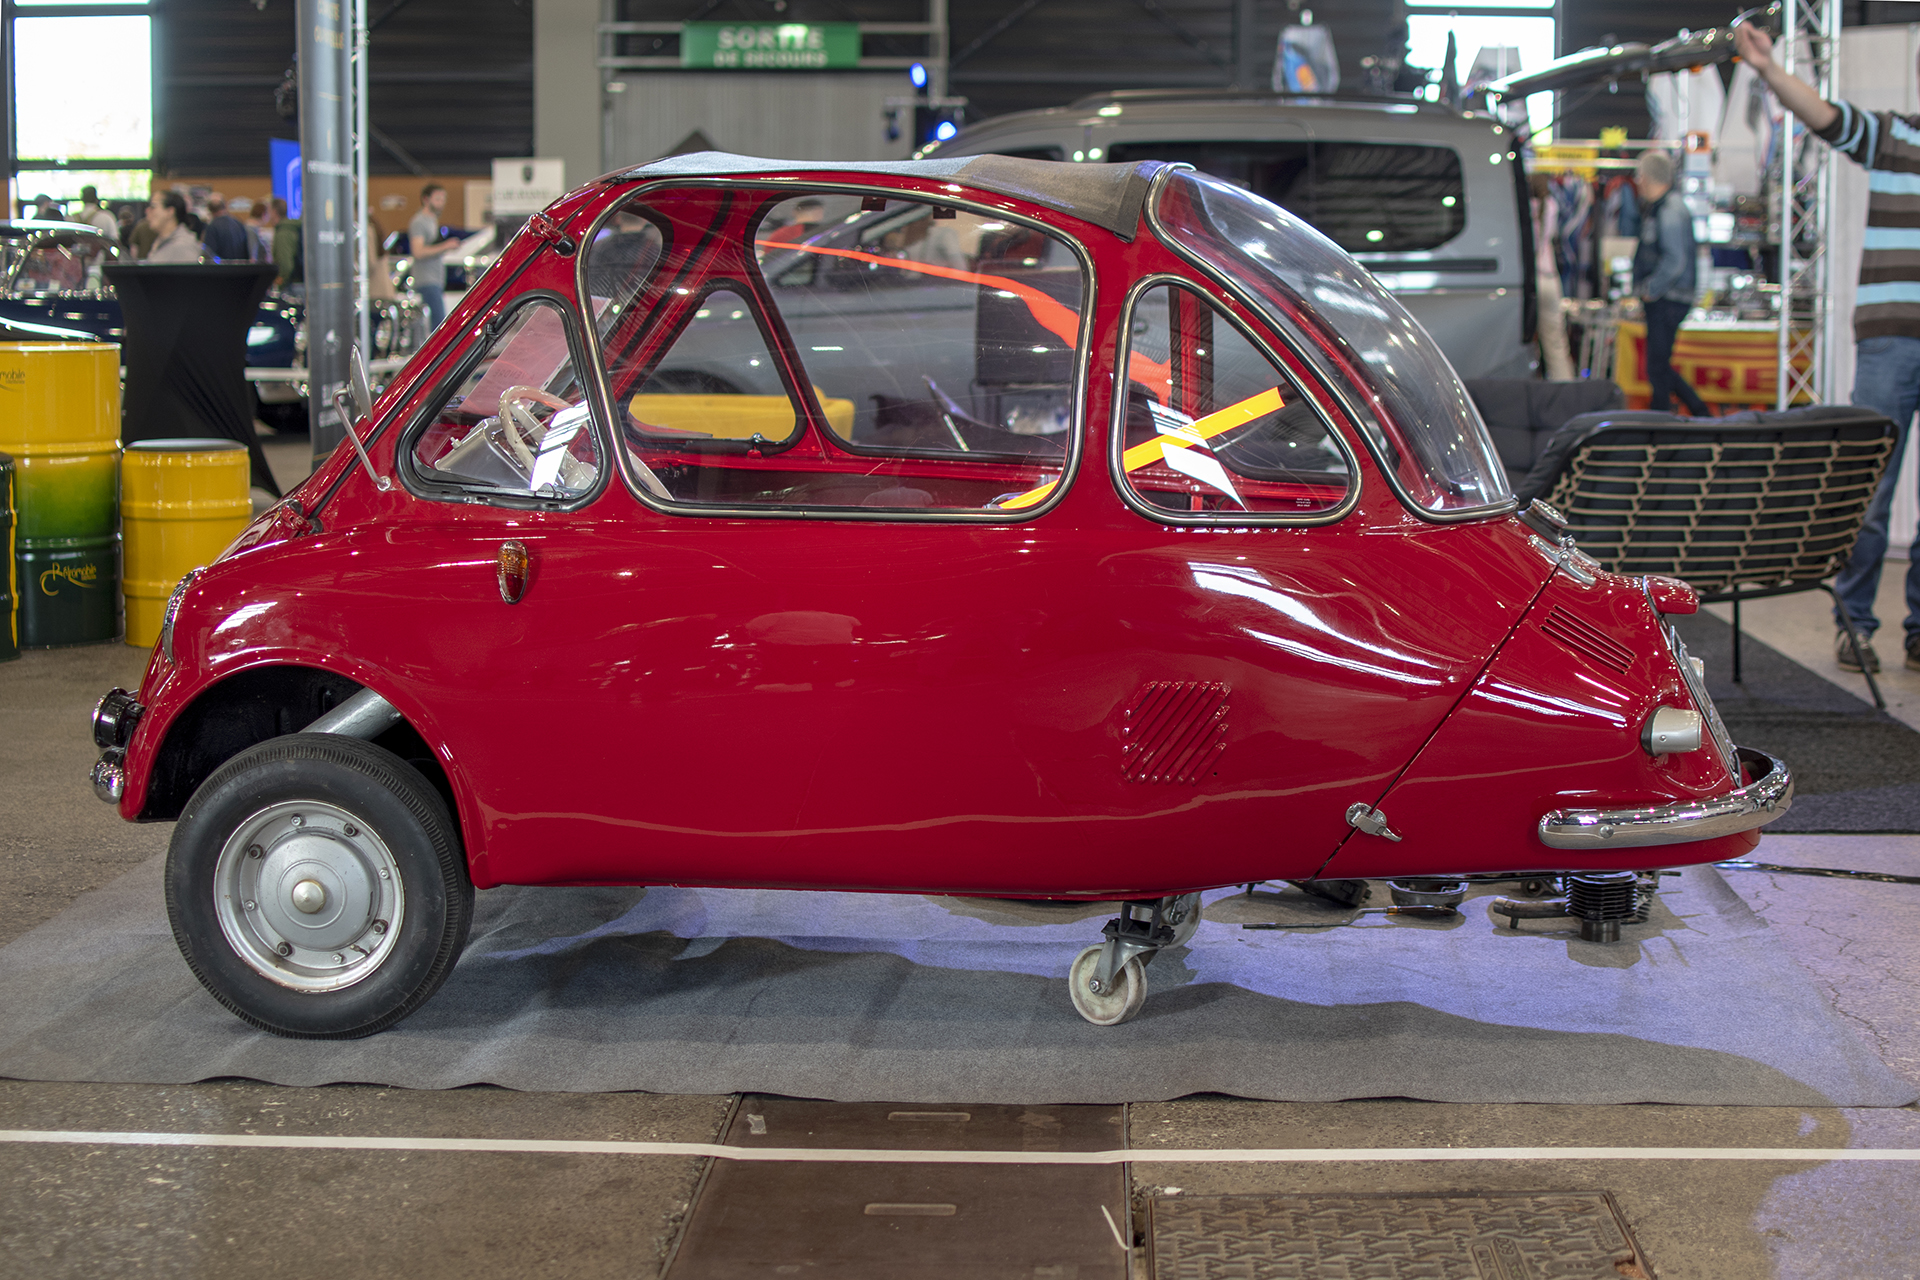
{"points": [[1120, 1001], [317, 887]]}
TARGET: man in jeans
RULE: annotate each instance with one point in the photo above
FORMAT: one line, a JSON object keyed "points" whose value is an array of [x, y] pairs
{"points": [[1886, 318], [429, 253], [1664, 271]]}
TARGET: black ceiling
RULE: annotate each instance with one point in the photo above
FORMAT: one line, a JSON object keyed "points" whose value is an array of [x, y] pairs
{"points": [[450, 81]]}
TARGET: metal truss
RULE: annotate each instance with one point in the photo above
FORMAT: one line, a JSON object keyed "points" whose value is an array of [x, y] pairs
{"points": [[1803, 183]]}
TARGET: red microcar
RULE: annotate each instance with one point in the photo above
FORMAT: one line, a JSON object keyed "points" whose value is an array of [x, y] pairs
{"points": [[981, 526]]}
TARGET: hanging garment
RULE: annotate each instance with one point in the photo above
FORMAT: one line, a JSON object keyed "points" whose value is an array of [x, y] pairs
{"points": [[1740, 148], [1683, 102]]}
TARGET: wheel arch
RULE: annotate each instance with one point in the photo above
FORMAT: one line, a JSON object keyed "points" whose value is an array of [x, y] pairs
{"points": [[253, 706]]}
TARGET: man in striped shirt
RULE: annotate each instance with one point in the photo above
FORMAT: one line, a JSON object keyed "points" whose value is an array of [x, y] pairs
{"points": [[1886, 315]]}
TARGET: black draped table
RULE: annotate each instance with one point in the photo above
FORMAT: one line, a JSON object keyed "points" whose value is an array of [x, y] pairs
{"points": [[186, 351]]}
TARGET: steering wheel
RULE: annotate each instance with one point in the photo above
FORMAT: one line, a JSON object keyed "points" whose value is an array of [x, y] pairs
{"points": [[523, 430]]}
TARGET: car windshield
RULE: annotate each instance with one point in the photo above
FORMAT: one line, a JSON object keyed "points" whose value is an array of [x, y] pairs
{"points": [[1411, 405]]}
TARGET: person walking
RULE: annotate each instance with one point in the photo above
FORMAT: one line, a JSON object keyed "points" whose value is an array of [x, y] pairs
{"points": [[1664, 271], [1886, 324], [429, 253]]}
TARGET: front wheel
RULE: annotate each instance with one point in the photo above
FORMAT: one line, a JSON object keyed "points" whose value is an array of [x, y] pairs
{"points": [[316, 886]]}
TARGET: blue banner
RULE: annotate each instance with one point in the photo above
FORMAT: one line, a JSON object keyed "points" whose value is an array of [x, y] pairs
{"points": [[286, 172]]}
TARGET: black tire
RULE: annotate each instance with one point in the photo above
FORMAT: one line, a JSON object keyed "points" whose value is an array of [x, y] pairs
{"points": [[378, 828]]}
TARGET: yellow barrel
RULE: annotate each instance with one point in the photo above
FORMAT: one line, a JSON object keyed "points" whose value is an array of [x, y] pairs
{"points": [[181, 503], [60, 419]]}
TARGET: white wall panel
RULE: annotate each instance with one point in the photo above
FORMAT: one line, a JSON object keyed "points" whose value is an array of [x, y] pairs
{"points": [[566, 86], [788, 117]]}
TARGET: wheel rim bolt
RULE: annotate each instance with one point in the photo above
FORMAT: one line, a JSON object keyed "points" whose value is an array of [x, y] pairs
{"points": [[255, 851], [350, 830], [338, 958], [379, 926], [248, 904], [296, 821], [284, 950]]}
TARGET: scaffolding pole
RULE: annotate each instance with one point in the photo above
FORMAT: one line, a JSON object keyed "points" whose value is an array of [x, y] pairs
{"points": [[1803, 184]]}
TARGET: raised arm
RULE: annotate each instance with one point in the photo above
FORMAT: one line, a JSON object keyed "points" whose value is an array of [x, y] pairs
{"points": [[1799, 97]]}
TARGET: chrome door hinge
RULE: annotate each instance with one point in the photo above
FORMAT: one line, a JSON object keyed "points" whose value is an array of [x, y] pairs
{"points": [[1368, 820], [541, 227]]}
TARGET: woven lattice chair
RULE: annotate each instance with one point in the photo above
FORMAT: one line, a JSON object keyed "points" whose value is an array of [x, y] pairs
{"points": [[1752, 504]]}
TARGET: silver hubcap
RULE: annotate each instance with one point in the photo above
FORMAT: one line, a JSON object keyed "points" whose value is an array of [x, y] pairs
{"points": [[308, 896]]}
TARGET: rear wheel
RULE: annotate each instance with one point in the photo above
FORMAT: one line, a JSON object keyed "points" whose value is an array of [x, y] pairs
{"points": [[1118, 1000], [317, 888]]}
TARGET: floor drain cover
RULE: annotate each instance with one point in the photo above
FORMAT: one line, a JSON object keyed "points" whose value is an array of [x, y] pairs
{"points": [[761, 1220], [1575, 1235]]}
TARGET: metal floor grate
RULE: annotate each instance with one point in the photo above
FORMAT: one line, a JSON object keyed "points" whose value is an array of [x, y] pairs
{"points": [[1543, 1235]]}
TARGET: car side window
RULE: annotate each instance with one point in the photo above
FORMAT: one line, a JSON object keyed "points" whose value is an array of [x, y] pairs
{"points": [[918, 358], [51, 267], [1213, 428], [518, 422], [1366, 197]]}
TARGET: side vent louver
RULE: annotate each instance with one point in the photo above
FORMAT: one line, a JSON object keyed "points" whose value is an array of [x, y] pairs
{"points": [[1587, 640], [1174, 731]]}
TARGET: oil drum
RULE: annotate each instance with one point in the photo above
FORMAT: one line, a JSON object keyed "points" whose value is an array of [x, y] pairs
{"points": [[60, 419], [9, 589], [181, 503]]}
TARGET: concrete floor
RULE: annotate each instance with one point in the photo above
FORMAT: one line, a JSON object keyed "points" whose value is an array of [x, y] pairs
{"points": [[88, 1211], [1801, 626]]}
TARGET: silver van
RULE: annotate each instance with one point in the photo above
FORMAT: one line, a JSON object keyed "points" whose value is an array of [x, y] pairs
{"points": [[1432, 200]]}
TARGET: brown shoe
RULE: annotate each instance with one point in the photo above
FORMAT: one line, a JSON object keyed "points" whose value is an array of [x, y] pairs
{"points": [[1843, 654]]}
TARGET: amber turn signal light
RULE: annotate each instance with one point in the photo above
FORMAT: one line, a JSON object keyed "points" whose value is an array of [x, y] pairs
{"points": [[513, 571]]}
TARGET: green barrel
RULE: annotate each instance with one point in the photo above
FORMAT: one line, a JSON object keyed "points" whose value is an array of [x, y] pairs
{"points": [[60, 419], [9, 589], [69, 590]]}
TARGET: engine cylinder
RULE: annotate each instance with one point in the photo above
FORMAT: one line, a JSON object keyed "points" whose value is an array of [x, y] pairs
{"points": [[1601, 900]]}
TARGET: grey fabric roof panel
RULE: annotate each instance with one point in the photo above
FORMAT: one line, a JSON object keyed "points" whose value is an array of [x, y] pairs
{"points": [[1107, 195]]}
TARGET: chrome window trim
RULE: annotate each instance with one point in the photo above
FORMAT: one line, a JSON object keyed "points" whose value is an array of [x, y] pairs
{"points": [[1117, 429], [1070, 466], [1309, 355]]}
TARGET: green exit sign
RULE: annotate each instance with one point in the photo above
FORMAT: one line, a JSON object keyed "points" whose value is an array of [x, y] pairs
{"points": [[769, 46]]}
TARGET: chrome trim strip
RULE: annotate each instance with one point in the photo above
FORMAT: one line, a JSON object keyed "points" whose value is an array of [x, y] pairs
{"points": [[1754, 805]]}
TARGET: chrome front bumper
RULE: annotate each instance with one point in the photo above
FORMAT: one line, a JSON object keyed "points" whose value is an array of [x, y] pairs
{"points": [[1756, 804]]}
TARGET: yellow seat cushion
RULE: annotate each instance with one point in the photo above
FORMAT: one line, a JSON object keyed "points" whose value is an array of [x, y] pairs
{"points": [[734, 417]]}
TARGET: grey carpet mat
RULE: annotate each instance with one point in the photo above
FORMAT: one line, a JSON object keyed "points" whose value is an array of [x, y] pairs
{"points": [[888, 998], [1855, 769]]}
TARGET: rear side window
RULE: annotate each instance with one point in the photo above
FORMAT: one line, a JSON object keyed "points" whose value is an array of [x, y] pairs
{"points": [[1366, 197], [1214, 428]]}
